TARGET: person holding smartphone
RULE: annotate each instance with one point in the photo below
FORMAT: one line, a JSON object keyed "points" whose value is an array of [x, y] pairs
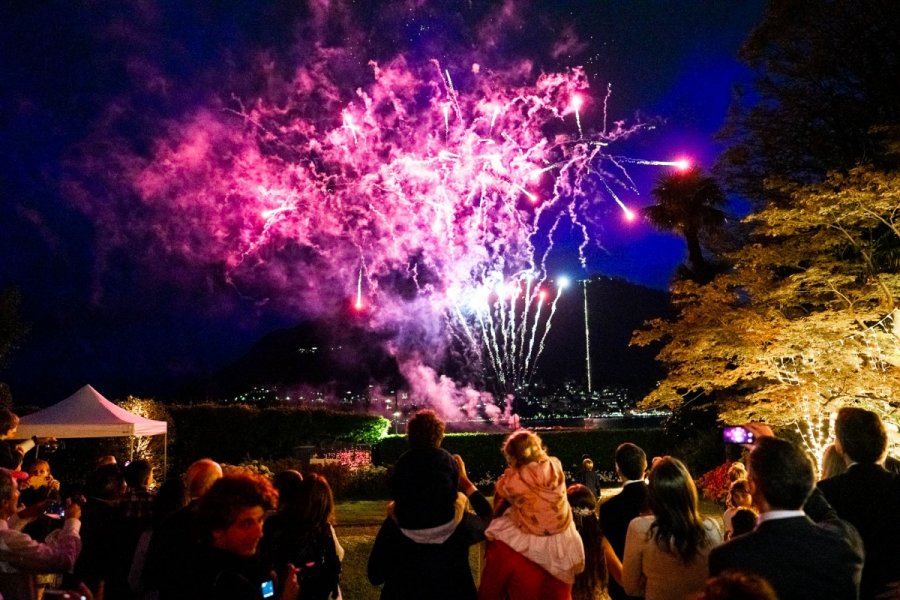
{"points": [[226, 565], [21, 557]]}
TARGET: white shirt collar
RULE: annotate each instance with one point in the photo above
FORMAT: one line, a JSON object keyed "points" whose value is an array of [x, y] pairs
{"points": [[773, 515]]}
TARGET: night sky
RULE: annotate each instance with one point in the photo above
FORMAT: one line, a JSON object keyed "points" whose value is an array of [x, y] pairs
{"points": [[98, 102]]}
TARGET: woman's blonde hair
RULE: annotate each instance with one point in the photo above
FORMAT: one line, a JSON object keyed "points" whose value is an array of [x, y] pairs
{"points": [[523, 447], [832, 462]]}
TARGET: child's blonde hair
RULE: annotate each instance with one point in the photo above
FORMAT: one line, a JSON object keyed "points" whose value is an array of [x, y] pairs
{"points": [[736, 471], [523, 447]]}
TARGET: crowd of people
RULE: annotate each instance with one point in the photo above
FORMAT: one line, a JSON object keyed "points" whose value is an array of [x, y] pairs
{"points": [[787, 532]]}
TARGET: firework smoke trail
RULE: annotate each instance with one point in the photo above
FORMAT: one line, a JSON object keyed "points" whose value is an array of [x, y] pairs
{"points": [[359, 300], [577, 102]]}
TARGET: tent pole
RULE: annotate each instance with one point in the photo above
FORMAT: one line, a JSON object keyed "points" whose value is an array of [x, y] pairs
{"points": [[166, 454], [131, 449]]}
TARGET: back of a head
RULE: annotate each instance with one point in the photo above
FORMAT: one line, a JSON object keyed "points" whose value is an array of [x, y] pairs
{"points": [[106, 482], [581, 497], [743, 521], [736, 585], [171, 496], [677, 525], [783, 474], [736, 471], [672, 490], [316, 503], [8, 421], [137, 473], [861, 434], [231, 494], [587, 522], [201, 475], [631, 461], [288, 483], [425, 430], [522, 447]]}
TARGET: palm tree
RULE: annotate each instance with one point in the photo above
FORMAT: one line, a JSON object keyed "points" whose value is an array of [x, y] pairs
{"points": [[688, 203]]}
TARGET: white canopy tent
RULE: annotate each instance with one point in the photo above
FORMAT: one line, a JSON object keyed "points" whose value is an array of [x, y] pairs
{"points": [[87, 414]]}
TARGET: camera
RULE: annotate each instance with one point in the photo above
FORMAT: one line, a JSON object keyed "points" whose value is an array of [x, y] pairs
{"points": [[738, 435], [56, 510]]}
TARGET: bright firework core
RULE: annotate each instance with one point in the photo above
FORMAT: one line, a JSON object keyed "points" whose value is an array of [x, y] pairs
{"points": [[430, 204]]}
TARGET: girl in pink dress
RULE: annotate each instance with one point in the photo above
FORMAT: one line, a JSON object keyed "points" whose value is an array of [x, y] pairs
{"points": [[533, 514]]}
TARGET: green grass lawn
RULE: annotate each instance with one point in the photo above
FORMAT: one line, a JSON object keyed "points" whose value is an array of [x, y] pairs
{"points": [[358, 522]]}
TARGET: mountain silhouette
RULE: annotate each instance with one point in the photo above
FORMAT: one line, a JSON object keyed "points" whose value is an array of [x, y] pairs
{"points": [[348, 357]]}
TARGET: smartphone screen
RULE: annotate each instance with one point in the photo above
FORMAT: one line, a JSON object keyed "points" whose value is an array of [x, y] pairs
{"points": [[738, 435], [267, 588]]}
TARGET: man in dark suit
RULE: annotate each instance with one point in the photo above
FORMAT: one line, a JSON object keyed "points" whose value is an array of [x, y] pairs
{"points": [[868, 496], [801, 559], [617, 512]]}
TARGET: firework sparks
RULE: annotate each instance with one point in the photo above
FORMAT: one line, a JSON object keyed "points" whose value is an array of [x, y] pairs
{"points": [[297, 198]]}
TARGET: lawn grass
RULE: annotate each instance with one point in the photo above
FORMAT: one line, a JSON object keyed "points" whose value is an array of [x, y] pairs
{"points": [[358, 522]]}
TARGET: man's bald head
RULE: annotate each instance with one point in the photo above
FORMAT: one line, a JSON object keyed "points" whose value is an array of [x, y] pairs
{"points": [[201, 475]]}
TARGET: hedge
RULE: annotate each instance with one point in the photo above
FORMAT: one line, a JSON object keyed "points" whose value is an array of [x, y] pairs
{"points": [[232, 433], [484, 460]]}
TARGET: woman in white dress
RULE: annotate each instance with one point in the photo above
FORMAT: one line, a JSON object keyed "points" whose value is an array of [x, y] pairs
{"points": [[666, 552]]}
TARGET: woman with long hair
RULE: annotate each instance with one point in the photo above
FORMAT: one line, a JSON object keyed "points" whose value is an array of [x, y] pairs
{"points": [[666, 552], [302, 533], [600, 562]]}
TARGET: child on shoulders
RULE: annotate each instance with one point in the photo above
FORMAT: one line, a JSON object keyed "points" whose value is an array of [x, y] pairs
{"points": [[534, 517]]}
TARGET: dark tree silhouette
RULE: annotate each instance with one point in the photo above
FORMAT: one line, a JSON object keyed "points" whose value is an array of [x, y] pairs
{"points": [[825, 74], [688, 204]]}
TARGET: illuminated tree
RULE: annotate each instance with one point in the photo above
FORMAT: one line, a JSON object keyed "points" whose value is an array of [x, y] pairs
{"points": [[689, 204], [805, 320]]}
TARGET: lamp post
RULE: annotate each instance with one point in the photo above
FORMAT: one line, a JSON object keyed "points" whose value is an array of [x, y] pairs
{"points": [[587, 339]]}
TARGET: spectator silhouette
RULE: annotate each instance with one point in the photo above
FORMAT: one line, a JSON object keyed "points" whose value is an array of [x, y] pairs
{"points": [[799, 558], [588, 477], [618, 511], [437, 569], [736, 585], [21, 557], [174, 539], [867, 495], [108, 544], [665, 552]]}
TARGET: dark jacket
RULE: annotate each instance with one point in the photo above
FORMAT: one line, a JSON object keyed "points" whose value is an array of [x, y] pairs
{"points": [[410, 570], [868, 496], [423, 488], [107, 548], [615, 515], [225, 576], [172, 546], [801, 559], [313, 552]]}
